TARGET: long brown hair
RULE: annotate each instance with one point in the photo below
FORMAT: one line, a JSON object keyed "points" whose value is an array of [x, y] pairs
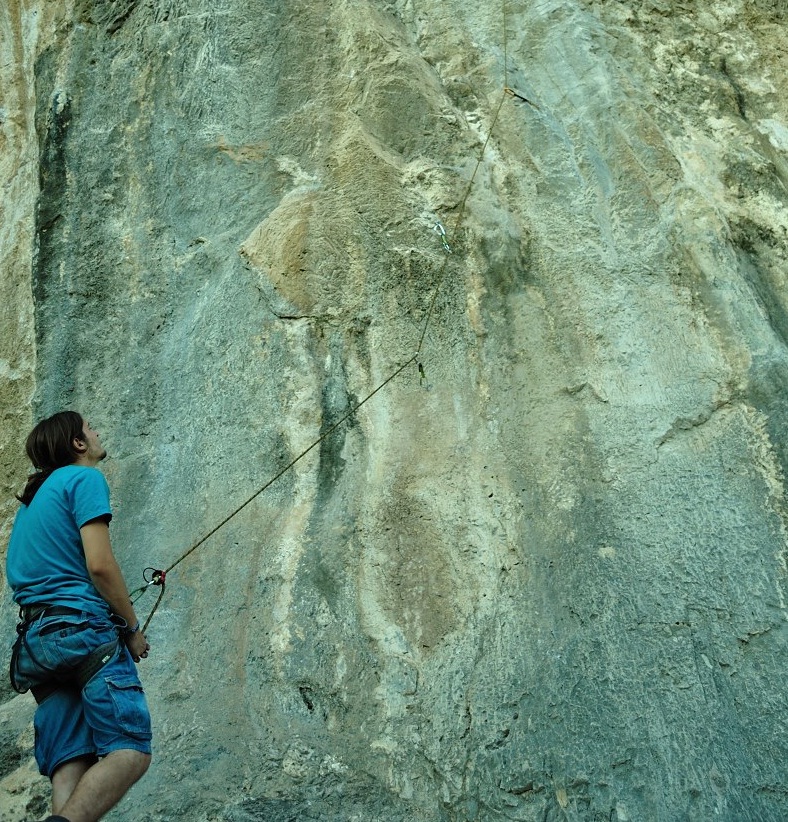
{"points": [[50, 445]]}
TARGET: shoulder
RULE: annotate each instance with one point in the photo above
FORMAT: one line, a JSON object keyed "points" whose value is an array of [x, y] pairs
{"points": [[87, 493], [79, 473], [82, 478]]}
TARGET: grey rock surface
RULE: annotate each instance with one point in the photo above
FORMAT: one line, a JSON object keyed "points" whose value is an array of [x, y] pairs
{"points": [[541, 578]]}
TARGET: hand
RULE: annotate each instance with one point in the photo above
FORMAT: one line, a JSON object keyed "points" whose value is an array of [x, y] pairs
{"points": [[137, 645]]}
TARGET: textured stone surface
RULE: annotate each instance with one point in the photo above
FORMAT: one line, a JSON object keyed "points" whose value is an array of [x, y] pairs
{"points": [[545, 579], [18, 162]]}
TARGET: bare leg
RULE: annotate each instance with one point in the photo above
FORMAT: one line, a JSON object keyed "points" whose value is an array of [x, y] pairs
{"points": [[65, 779], [104, 784]]}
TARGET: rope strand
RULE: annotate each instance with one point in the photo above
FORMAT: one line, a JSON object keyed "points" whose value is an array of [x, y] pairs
{"points": [[292, 462]]}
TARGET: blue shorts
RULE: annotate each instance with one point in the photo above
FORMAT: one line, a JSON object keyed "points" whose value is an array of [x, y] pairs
{"points": [[109, 714]]}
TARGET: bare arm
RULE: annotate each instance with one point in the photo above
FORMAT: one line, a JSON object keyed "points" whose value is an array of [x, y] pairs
{"points": [[106, 575]]}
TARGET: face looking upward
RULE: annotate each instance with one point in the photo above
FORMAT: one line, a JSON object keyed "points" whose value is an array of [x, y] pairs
{"points": [[90, 448]]}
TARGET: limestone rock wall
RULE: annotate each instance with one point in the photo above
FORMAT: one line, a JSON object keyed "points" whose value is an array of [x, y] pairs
{"points": [[543, 578]]}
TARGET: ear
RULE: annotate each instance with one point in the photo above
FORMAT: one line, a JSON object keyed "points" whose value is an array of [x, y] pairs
{"points": [[79, 445]]}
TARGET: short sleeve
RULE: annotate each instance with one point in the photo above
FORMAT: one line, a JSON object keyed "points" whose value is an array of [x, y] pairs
{"points": [[90, 496]]}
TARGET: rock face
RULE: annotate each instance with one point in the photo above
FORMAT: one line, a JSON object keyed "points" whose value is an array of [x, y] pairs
{"points": [[540, 577]]}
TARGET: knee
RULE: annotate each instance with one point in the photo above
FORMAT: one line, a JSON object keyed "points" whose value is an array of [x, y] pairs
{"points": [[135, 763], [142, 763]]}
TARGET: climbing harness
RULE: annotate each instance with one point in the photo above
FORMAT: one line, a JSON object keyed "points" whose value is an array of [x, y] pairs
{"points": [[154, 577], [51, 679]]}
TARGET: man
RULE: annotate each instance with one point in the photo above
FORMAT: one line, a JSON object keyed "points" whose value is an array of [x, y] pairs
{"points": [[79, 633]]}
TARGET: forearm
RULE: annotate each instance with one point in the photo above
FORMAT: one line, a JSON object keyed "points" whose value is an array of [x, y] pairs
{"points": [[110, 584], [106, 575]]}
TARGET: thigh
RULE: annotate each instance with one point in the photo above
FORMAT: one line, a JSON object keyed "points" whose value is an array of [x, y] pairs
{"points": [[62, 732], [116, 709]]}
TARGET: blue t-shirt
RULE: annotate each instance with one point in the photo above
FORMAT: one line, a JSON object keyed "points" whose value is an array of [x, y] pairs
{"points": [[45, 562]]}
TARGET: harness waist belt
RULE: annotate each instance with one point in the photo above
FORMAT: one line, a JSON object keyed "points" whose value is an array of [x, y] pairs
{"points": [[30, 612], [78, 676]]}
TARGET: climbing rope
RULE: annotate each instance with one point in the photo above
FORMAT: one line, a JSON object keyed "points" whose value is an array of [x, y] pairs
{"points": [[154, 577], [158, 577]]}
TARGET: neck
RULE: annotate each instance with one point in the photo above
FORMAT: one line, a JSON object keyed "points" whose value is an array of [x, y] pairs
{"points": [[85, 460]]}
